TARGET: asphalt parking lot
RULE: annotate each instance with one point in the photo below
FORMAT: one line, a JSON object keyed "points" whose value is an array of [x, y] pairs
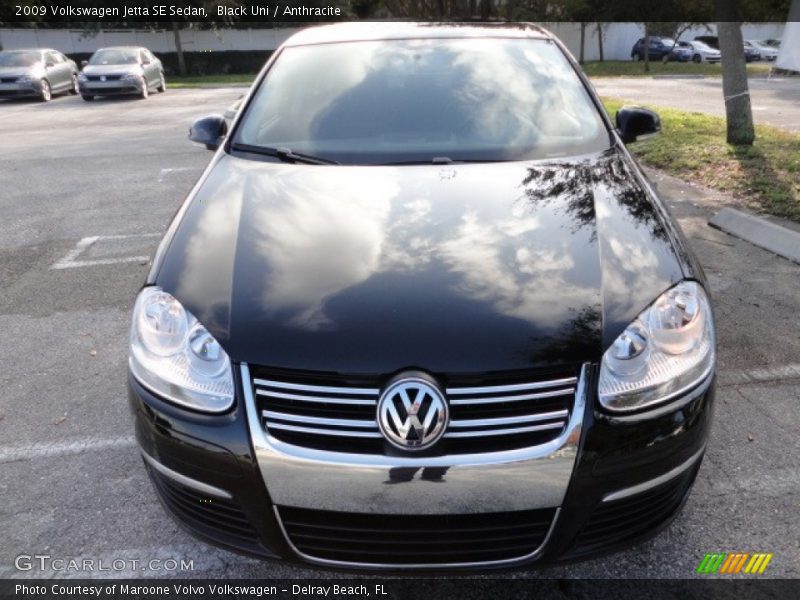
{"points": [[775, 101], [85, 191]]}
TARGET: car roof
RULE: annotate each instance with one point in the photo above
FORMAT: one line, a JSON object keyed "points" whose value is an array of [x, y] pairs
{"points": [[371, 31], [31, 50], [122, 48]]}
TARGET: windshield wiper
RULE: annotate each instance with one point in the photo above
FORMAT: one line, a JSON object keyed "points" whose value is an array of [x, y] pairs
{"points": [[284, 154], [442, 160]]}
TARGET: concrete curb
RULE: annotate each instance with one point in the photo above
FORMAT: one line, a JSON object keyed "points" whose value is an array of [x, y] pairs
{"points": [[681, 76], [759, 232]]}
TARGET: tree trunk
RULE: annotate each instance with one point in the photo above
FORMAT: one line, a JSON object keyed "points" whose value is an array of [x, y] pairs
{"points": [[739, 113], [600, 41], [179, 49], [583, 42], [472, 7], [486, 9]]}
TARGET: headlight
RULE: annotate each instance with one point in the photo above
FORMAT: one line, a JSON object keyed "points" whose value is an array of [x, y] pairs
{"points": [[175, 356], [82, 77], [131, 75], [25, 79], [667, 350]]}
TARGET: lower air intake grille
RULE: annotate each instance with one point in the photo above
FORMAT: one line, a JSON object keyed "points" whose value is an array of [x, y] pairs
{"points": [[627, 519], [377, 539], [216, 518]]}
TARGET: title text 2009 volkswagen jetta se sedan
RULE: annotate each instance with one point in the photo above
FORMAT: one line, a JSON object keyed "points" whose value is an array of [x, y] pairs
{"points": [[423, 310]]}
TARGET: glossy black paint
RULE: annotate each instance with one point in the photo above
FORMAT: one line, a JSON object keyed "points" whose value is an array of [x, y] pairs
{"points": [[614, 454], [634, 122], [454, 268], [458, 268], [209, 131]]}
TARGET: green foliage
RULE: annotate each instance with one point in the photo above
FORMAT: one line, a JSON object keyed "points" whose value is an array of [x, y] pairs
{"points": [[692, 146]]}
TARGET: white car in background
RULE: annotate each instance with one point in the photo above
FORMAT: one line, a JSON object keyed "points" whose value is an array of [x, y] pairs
{"points": [[702, 52], [767, 52]]}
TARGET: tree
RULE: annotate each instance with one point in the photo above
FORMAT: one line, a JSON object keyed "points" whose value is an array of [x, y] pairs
{"points": [[176, 34], [601, 32], [738, 112]]}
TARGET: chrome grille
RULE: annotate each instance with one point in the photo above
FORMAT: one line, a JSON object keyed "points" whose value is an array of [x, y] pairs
{"points": [[483, 418], [104, 77]]}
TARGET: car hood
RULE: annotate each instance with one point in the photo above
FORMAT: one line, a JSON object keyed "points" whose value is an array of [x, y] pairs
{"points": [[453, 268], [111, 69]]}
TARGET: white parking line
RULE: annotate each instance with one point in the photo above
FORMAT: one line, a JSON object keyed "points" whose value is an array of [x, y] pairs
{"points": [[165, 172], [68, 261], [764, 375], [15, 453]]}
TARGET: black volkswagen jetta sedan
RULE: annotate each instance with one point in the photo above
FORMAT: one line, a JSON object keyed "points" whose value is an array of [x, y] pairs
{"points": [[423, 310]]}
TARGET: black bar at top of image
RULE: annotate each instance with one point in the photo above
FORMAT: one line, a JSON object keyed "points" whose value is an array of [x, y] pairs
{"points": [[226, 13], [398, 588]]}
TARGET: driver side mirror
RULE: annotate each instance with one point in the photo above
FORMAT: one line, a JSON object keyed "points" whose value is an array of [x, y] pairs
{"points": [[49, 64], [84, 63], [635, 123], [209, 131], [145, 62]]}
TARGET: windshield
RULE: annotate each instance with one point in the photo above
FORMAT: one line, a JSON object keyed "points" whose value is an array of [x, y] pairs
{"points": [[418, 100], [19, 59], [115, 57]]}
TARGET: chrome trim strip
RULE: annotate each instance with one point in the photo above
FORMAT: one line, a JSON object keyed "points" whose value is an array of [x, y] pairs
{"points": [[340, 563], [275, 449], [496, 399], [184, 480], [491, 432], [643, 487], [517, 479], [315, 430], [320, 399], [500, 389], [271, 414], [558, 414], [315, 388]]}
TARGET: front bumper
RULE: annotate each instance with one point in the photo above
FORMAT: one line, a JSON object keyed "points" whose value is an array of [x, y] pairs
{"points": [[20, 90], [111, 88], [609, 482]]}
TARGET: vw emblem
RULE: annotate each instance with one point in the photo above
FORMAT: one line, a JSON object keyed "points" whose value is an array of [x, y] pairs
{"points": [[102, 77], [412, 413]]}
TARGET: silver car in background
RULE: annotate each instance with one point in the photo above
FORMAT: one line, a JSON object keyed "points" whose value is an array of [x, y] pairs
{"points": [[36, 73], [121, 70], [702, 52], [767, 52]]}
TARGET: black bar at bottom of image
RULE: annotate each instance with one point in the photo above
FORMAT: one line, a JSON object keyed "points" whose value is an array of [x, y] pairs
{"points": [[392, 588]]}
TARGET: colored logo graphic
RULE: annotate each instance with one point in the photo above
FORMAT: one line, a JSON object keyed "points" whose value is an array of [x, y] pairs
{"points": [[730, 563]]}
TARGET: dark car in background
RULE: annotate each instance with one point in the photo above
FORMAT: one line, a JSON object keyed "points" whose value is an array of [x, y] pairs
{"points": [[660, 48], [121, 70], [709, 40], [423, 310], [36, 73], [751, 52]]}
